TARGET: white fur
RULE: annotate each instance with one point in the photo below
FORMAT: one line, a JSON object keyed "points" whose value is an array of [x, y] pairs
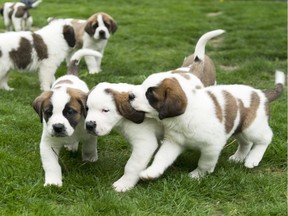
{"points": [[57, 51], [50, 144], [18, 23], [143, 137], [199, 128], [85, 52]]}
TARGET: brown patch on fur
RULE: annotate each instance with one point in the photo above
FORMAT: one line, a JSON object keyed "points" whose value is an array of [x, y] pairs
{"points": [[218, 108], [168, 98], [20, 11], [63, 82], [78, 103], [40, 46], [182, 73], [112, 25], [273, 94], [204, 71], [124, 107], [79, 29], [230, 112], [248, 114], [41, 103], [0, 53], [23, 55], [69, 35]]}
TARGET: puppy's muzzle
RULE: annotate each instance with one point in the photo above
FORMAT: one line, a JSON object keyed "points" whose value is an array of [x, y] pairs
{"points": [[102, 34], [59, 129], [91, 126], [131, 96]]}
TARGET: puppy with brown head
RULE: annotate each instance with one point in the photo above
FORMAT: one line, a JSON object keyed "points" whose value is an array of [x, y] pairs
{"points": [[205, 118], [93, 33], [62, 110]]}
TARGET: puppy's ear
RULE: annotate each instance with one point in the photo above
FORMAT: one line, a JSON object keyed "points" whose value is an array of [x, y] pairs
{"points": [[124, 107], [89, 28], [113, 26], [69, 35], [39, 102], [168, 98]]}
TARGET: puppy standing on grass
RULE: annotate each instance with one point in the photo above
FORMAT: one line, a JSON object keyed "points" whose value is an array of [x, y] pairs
{"points": [[42, 50], [108, 107], [17, 16], [62, 110], [204, 118], [92, 33]]}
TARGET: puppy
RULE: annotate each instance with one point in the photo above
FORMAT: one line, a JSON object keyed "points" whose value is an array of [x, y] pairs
{"points": [[108, 107], [62, 110], [204, 118], [17, 16], [93, 33], [42, 50]]}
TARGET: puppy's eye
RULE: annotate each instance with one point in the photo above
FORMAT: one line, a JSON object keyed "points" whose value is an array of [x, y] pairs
{"points": [[71, 111], [48, 112], [107, 25], [105, 110], [95, 26]]}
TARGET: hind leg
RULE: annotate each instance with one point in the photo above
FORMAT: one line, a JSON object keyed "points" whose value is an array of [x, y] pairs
{"points": [[4, 83], [244, 147], [261, 143]]}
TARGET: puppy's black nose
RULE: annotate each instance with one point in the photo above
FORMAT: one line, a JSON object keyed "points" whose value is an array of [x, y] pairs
{"points": [[131, 96], [58, 128], [90, 125], [102, 34]]}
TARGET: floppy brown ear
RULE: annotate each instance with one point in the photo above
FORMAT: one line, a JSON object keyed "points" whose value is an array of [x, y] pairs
{"points": [[37, 104], [89, 28], [168, 98], [124, 107], [113, 26], [69, 35]]}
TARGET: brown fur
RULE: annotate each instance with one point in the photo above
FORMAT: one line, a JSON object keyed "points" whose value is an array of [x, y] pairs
{"points": [[273, 94], [79, 29], [69, 35], [63, 82], [124, 107], [41, 102], [21, 11], [23, 55], [205, 72], [230, 112], [219, 112], [40, 46], [168, 98]]}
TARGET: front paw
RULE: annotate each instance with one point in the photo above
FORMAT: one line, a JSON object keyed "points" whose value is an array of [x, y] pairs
{"points": [[89, 157], [123, 185], [150, 174], [53, 181], [95, 71]]}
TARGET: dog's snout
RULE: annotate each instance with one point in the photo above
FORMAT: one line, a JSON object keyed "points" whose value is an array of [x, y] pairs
{"points": [[90, 125], [102, 34], [131, 96], [58, 128]]}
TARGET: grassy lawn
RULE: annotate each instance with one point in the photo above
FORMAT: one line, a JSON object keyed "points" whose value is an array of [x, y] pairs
{"points": [[153, 36]]}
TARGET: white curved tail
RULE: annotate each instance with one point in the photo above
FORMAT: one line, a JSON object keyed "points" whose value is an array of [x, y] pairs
{"points": [[200, 46], [77, 56]]}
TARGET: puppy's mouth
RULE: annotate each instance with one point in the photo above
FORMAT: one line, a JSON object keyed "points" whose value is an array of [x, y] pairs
{"points": [[62, 134]]}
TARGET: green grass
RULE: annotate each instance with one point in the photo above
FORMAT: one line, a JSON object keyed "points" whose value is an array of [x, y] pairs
{"points": [[153, 36]]}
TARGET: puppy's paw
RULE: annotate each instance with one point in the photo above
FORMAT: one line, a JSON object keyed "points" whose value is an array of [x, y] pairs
{"points": [[197, 173], [237, 158], [150, 174], [123, 185], [90, 157], [251, 163], [72, 147], [95, 71], [54, 182]]}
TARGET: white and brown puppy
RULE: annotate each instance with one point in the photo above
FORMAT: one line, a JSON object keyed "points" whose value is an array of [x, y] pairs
{"points": [[93, 33], [62, 110], [204, 118], [17, 16], [41, 51], [108, 107]]}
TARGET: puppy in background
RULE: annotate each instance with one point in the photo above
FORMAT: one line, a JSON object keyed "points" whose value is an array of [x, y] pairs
{"points": [[92, 33], [62, 110], [17, 16], [42, 51], [205, 118]]}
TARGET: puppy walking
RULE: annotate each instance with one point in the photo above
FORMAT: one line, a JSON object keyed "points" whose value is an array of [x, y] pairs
{"points": [[62, 110], [204, 118]]}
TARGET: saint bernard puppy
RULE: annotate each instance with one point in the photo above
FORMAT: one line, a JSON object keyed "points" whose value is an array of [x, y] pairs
{"points": [[17, 16], [92, 33], [42, 50], [204, 118], [108, 107], [62, 110]]}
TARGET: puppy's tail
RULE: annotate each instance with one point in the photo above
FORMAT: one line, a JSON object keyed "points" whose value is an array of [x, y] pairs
{"points": [[35, 4], [273, 94], [76, 57], [199, 52]]}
